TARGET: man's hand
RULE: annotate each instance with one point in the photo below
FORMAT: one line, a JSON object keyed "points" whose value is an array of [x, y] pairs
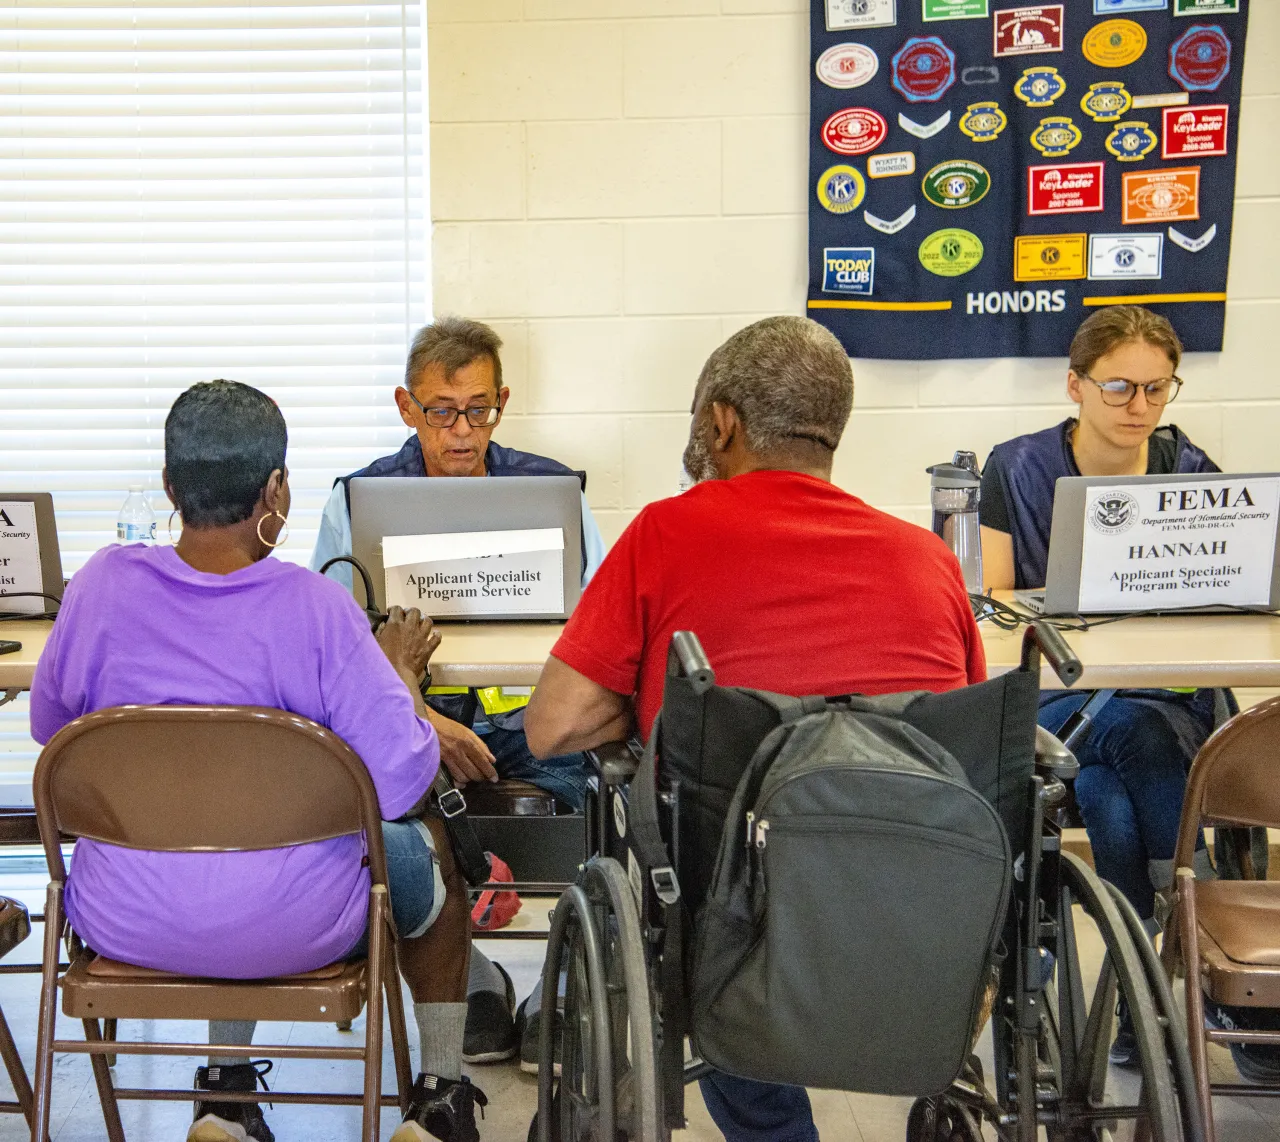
{"points": [[408, 639], [463, 752]]}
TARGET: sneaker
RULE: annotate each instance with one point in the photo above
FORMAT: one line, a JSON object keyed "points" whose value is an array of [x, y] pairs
{"points": [[490, 1033], [443, 1109], [231, 1121], [528, 1027], [1124, 1050], [1258, 1064]]}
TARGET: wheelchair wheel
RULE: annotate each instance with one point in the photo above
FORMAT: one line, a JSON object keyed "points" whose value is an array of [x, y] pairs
{"points": [[608, 1089], [1092, 1099], [941, 1119]]}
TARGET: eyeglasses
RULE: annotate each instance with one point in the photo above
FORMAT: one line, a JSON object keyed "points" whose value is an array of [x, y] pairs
{"points": [[1118, 392], [478, 416]]}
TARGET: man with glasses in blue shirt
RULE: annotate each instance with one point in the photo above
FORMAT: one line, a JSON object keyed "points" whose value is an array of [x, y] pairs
{"points": [[453, 399]]}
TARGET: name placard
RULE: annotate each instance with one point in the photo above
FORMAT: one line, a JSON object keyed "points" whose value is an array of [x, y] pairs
{"points": [[1201, 543], [476, 573], [20, 557]]}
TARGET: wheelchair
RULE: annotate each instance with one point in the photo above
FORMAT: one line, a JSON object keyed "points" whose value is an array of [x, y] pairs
{"points": [[621, 936]]}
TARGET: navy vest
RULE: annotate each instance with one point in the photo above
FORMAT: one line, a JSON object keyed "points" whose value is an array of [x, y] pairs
{"points": [[1029, 467], [498, 461]]}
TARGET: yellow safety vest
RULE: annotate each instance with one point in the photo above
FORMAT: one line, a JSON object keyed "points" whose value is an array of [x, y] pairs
{"points": [[493, 699]]}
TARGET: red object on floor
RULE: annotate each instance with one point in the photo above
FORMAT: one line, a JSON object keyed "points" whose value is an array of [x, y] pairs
{"points": [[495, 909]]}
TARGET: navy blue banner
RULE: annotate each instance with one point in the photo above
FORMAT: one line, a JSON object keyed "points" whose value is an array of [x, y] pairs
{"points": [[983, 175]]}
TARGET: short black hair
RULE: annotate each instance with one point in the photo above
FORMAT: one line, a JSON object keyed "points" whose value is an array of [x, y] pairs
{"points": [[222, 441]]}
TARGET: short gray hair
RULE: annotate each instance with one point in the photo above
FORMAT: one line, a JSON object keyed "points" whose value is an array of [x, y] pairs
{"points": [[452, 342], [787, 377]]}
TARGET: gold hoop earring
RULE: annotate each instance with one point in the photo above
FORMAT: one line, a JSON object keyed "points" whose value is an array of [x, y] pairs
{"points": [[171, 539], [284, 523]]}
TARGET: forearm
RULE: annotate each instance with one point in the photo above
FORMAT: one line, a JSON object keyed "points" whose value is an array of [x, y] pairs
{"points": [[574, 739], [412, 680]]}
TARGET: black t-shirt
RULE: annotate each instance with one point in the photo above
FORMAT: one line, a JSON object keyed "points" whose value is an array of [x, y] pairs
{"points": [[993, 511]]}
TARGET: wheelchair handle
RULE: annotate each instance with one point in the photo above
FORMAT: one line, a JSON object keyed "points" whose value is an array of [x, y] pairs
{"points": [[1041, 638], [686, 659]]}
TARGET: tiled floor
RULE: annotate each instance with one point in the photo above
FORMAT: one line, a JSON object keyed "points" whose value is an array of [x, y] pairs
{"points": [[513, 1096]]}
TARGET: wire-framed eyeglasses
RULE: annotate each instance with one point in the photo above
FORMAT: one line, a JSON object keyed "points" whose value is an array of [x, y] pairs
{"points": [[478, 416], [1118, 392]]}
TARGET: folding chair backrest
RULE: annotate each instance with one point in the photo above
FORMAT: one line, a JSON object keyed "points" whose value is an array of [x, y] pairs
{"points": [[1235, 778], [201, 779]]}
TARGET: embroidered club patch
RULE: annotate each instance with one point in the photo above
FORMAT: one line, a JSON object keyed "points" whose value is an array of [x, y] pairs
{"points": [[1168, 195], [849, 270], [1132, 140], [924, 68], [956, 183], [1028, 30], [1048, 257], [1114, 43], [1065, 188], [983, 122], [1191, 132], [892, 225], [842, 14], [841, 188], [923, 130], [1040, 86], [1193, 245], [1200, 58], [1055, 136], [854, 131], [891, 165], [1105, 102], [950, 252], [1132, 256], [844, 66]]}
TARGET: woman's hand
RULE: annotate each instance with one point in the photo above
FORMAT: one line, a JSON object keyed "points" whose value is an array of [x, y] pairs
{"points": [[462, 750], [408, 639]]}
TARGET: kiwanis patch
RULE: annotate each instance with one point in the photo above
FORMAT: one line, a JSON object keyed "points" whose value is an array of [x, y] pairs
{"points": [[1200, 58], [841, 188], [1132, 140], [849, 270], [1105, 102], [1040, 86], [1114, 43], [924, 69], [1055, 136], [983, 122], [950, 252], [956, 183]]}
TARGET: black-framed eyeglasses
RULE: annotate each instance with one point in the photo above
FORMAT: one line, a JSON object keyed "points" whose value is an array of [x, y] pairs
{"points": [[478, 416], [1118, 392]]}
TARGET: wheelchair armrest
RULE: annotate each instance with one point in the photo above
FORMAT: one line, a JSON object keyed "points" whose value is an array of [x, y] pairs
{"points": [[616, 762], [1053, 759]]}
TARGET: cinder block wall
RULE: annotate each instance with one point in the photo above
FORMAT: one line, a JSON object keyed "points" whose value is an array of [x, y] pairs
{"points": [[617, 185]]}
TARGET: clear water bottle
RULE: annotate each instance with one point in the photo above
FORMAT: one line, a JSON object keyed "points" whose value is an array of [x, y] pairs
{"points": [[136, 522]]}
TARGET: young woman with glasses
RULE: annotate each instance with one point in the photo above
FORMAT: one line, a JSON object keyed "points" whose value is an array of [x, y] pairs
{"points": [[1134, 762]]}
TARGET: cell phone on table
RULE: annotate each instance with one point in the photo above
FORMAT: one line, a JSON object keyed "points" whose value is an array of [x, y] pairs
{"points": [[8, 646]]}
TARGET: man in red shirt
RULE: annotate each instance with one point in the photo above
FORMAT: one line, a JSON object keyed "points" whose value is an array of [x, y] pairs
{"points": [[790, 584]]}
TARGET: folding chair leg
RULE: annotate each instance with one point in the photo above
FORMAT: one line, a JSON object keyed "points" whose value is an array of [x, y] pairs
{"points": [[48, 1013], [1196, 1044], [106, 1090], [399, 1037], [373, 1018], [109, 1033], [17, 1073]]}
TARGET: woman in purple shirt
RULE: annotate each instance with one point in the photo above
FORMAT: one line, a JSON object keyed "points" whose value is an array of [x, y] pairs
{"points": [[213, 621]]}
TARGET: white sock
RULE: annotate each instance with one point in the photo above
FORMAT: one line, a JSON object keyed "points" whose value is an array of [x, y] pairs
{"points": [[230, 1033], [440, 1031]]}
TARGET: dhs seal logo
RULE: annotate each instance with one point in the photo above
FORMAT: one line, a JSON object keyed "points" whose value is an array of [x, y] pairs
{"points": [[849, 270], [1113, 512]]}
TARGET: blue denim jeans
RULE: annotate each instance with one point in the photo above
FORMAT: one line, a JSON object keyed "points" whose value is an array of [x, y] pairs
{"points": [[564, 777], [751, 1111], [412, 881], [1133, 774]]}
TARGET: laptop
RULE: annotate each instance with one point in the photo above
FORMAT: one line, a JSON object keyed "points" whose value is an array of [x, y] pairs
{"points": [[30, 559], [1061, 594], [411, 505]]}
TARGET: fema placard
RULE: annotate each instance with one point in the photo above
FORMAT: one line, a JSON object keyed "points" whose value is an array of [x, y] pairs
{"points": [[849, 270], [20, 557], [1190, 543]]}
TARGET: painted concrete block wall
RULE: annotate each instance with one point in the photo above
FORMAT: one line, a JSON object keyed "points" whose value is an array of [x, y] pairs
{"points": [[618, 185]]}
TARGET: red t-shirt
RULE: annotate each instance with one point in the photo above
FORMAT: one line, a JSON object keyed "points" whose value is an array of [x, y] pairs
{"points": [[790, 584]]}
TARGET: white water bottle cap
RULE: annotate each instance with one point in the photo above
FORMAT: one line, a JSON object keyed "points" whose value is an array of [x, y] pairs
{"points": [[134, 488]]}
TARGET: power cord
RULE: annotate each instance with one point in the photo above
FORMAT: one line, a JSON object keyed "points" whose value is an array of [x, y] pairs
{"points": [[19, 616], [987, 609]]}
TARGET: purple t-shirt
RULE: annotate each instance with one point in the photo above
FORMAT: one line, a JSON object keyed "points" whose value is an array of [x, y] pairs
{"points": [[138, 626]]}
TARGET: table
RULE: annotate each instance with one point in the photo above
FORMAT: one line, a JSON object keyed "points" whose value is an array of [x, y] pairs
{"points": [[1188, 650]]}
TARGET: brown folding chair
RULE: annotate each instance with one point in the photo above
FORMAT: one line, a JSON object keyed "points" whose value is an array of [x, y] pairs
{"points": [[1225, 934], [15, 926], [210, 779]]}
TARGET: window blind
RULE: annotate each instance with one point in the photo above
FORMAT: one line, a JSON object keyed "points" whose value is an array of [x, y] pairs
{"points": [[201, 189]]}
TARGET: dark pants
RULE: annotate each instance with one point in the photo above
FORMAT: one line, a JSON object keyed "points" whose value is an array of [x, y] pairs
{"points": [[1133, 775], [563, 777], [750, 1111]]}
